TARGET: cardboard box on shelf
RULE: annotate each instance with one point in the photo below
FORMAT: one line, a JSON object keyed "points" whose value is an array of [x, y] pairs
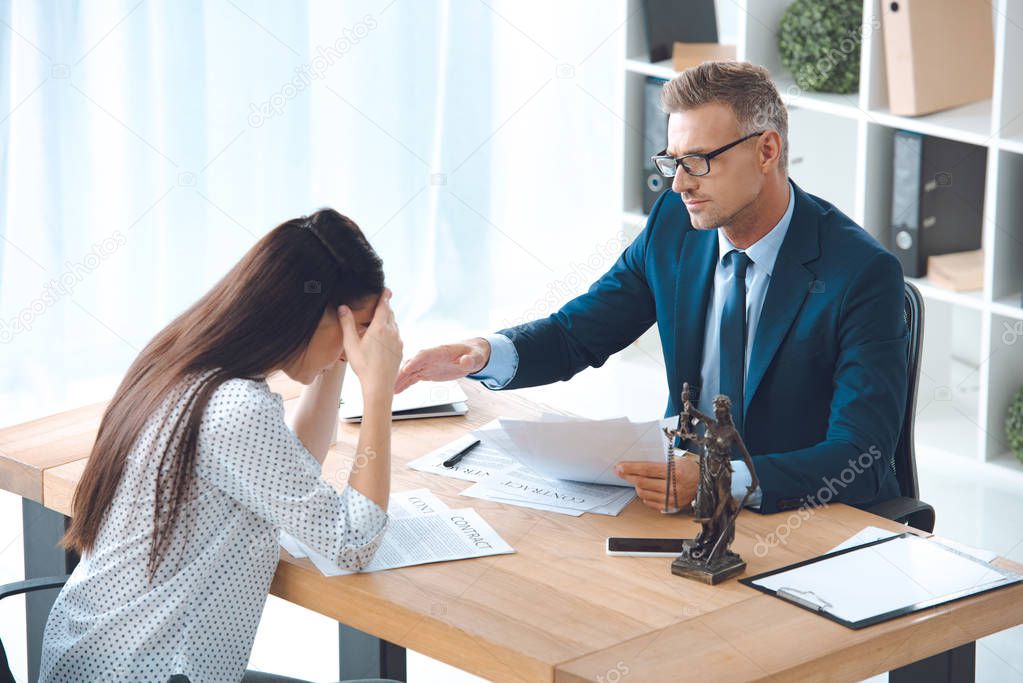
{"points": [[687, 55], [960, 271]]}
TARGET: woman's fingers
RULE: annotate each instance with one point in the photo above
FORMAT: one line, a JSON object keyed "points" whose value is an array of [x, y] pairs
{"points": [[349, 334], [382, 314]]}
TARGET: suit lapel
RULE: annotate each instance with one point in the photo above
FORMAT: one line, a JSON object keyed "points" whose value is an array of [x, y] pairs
{"points": [[693, 284], [790, 282]]}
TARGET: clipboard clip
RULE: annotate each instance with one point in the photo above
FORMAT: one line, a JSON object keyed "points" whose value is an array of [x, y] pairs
{"points": [[816, 603]]}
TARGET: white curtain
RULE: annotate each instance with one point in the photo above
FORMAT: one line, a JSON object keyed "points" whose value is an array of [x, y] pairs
{"points": [[145, 146]]}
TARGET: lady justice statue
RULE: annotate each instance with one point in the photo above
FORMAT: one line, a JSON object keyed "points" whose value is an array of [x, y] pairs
{"points": [[707, 557]]}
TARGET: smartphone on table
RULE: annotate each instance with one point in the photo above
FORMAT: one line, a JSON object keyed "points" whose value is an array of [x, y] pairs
{"points": [[644, 547]]}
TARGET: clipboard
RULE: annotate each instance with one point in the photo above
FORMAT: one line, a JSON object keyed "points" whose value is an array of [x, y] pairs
{"points": [[881, 580]]}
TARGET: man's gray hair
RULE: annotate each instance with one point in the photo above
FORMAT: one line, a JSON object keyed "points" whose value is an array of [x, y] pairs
{"points": [[745, 88]]}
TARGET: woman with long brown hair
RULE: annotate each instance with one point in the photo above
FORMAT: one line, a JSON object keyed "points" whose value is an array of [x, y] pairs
{"points": [[194, 472]]}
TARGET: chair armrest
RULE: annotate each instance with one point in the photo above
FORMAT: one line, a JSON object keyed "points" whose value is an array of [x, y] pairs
{"points": [[911, 511], [30, 585]]}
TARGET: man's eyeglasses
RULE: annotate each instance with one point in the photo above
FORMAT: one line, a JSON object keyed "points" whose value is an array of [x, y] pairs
{"points": [[694, 164]]}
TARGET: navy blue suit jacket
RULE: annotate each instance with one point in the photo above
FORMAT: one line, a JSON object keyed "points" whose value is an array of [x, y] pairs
{"points": [[826, 383]]}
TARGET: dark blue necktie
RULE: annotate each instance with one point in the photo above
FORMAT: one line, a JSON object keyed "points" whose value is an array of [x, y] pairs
{"points": [[733, 338]]}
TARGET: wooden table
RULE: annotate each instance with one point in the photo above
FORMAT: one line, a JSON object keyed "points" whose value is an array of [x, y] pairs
{"points": [[559, 609]]}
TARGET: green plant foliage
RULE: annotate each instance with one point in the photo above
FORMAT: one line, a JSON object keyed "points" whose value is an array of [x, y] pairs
{"points": [[1014, 424], [819, 42]]}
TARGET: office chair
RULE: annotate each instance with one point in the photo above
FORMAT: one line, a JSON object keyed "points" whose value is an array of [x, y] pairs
{"points": [[30, 585], [908, 508], [17, 588]]}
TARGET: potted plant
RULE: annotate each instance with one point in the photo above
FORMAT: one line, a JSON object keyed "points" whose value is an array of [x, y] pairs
{"points": [[819, 42]]}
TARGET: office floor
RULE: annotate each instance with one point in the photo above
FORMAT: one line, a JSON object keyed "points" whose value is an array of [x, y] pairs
{"points": [[973, 508]]}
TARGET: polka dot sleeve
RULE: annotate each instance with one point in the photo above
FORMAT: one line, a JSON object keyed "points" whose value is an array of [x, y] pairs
{"points": [[247, 451]]}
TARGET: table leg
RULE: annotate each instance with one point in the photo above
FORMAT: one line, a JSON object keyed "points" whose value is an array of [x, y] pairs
{"points": [[42, 528], [957, 665], [366, 656]]}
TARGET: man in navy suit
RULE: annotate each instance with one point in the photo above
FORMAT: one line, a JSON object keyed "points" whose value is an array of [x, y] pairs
{"points": [[760, 291]]}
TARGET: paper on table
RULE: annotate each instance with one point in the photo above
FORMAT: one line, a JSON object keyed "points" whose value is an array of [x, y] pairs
{"points": [[418, 536], [612, 508], [980, 554], [414, 503], [498, 453], [873, 533], [291, 544], [521, 482], [478, 464], [886, 577], [401, 504], [437, 537], [615, 506], [864, 535], [473, 492], [585, 450]]}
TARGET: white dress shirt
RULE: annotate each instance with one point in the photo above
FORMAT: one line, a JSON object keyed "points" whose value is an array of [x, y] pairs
{"points": [[253, 478]]}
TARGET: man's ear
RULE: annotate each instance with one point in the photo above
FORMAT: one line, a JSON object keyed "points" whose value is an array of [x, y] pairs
{"points": [[769, 150]]}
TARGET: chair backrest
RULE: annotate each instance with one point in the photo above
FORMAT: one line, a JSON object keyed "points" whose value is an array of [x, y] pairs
{"points": [[904, 461], [5, 669]]}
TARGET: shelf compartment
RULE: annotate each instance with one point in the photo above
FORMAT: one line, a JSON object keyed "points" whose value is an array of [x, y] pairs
{"points": [[971, 299], [948, 397], [972, 122], [829, 173], [761, 20], [968, 123], [1007, 230], [1005, 377], [1008, 57]]}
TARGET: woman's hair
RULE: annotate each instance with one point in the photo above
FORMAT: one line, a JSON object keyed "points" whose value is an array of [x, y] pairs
{"points": [[258, 317]]}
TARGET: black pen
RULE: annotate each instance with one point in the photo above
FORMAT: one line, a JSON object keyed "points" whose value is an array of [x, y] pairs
{"points": [[454, 459]]}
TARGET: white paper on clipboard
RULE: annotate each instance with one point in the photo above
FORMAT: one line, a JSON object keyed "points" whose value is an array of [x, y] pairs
{"points": [[900, 574]]}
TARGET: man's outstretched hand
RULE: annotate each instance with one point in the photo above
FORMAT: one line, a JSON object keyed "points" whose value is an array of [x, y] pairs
{"points": [[443, 363]]}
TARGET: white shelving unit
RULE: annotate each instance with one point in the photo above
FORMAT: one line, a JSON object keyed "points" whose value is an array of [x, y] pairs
{"points": [[841, 150]]}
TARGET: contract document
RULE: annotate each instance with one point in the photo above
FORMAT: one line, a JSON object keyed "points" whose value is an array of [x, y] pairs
{"points": [[421, 530]]}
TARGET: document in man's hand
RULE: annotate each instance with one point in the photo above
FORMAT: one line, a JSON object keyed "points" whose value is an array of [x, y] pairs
{"points": [[586, 451], [495, 466], [421, 530]]}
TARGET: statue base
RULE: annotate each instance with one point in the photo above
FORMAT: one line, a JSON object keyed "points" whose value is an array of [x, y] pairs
{"points": [[722, 569]]}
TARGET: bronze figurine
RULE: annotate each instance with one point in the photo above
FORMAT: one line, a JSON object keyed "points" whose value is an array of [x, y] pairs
{"points": [[707, 557]]}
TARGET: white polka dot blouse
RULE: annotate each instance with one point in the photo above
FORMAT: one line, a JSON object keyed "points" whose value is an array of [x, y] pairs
{"points": [[253, 479]]}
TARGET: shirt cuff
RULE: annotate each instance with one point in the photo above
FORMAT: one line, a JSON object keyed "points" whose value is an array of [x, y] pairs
{"points": [[741, 480], [503, 363], [367, 521]]}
